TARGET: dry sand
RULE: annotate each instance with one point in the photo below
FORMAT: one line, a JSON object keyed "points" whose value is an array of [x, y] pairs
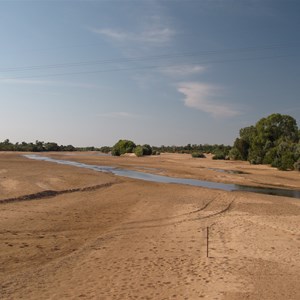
{"points": [[98, 236]]}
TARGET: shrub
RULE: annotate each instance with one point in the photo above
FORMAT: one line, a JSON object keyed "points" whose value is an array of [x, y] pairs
{"points": [[105, 149], [147, 149], [235, 154], [287, 162], [219, 155], [115, 152], [139, 151], [198, 154], [122, 147]]}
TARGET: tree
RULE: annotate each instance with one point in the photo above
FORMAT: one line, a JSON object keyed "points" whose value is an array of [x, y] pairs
{"points": [[51, 147], [273, 140], [122, 147], [147, 150]]}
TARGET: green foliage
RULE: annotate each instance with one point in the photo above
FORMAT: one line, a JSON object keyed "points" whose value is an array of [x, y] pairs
{"points": [[235, 154], [273, 140], [147, 149], [51, 147], [139, 151], [198, 154], [105, 149], [206, 148], [287, 161], [68, 148], [115, 152], [219, 155], [143, 150], [122, 147], [38, 146]]}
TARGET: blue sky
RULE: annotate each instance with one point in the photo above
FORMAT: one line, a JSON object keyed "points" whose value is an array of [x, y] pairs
{"points": [[156, 72]]}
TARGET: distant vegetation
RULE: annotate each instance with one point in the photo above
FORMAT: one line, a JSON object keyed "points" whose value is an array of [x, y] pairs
{"points": [[126, 146], [121, 147], [38, 146], [272, 140], [198, 151]]}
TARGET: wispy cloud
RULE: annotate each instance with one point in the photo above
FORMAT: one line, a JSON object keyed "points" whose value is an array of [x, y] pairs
{"points": [[201, 96], [154, 36], [183, 70], [119, 114]]}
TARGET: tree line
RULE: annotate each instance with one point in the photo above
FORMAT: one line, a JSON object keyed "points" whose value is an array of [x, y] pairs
{"points": [[273, 140], [127, 146], [40, 146]]}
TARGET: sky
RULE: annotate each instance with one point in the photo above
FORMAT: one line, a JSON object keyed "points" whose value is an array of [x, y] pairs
{"points": [[172, 72]]}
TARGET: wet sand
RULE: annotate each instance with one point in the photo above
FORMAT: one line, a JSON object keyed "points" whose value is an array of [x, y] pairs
{"points": [[107, 237]]}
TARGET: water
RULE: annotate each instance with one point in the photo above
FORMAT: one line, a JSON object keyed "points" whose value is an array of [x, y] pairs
{"points": [[167, 179]]}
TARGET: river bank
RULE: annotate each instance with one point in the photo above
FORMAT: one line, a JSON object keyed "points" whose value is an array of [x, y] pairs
{"points": [[110, 237]]}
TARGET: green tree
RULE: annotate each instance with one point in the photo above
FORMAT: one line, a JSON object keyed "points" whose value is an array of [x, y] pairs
{"points": [[273, 140], [51, 147], [147, 149], [122, 147]]}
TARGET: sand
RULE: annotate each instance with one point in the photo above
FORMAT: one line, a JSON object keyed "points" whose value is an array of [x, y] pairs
{"points": [[98, 236]]}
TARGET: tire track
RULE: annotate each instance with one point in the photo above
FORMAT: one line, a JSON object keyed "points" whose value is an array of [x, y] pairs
{"points": [[173, 217], [177, 222], [226, 209]]}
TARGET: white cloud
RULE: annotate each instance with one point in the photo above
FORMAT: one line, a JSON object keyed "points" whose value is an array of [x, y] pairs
{"points": [[154, 36], [183, 70], [200, 96], [118, 114]]}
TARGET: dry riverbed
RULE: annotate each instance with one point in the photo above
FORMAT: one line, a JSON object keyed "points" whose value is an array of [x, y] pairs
{"points": [[98, 236]]}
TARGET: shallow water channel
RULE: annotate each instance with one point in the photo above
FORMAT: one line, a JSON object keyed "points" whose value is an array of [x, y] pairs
{"points": [[167, 179]]}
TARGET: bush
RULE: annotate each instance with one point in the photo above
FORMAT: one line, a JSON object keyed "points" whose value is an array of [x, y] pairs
{"points": [[219, 155], [147, 150], [139, 151], [235, 154], [105, 149], [198, 155], [122, 147], [287, 162], [115, 152]]}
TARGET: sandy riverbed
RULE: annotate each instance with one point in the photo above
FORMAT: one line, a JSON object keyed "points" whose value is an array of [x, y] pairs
{"points": [[108, 237]]}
